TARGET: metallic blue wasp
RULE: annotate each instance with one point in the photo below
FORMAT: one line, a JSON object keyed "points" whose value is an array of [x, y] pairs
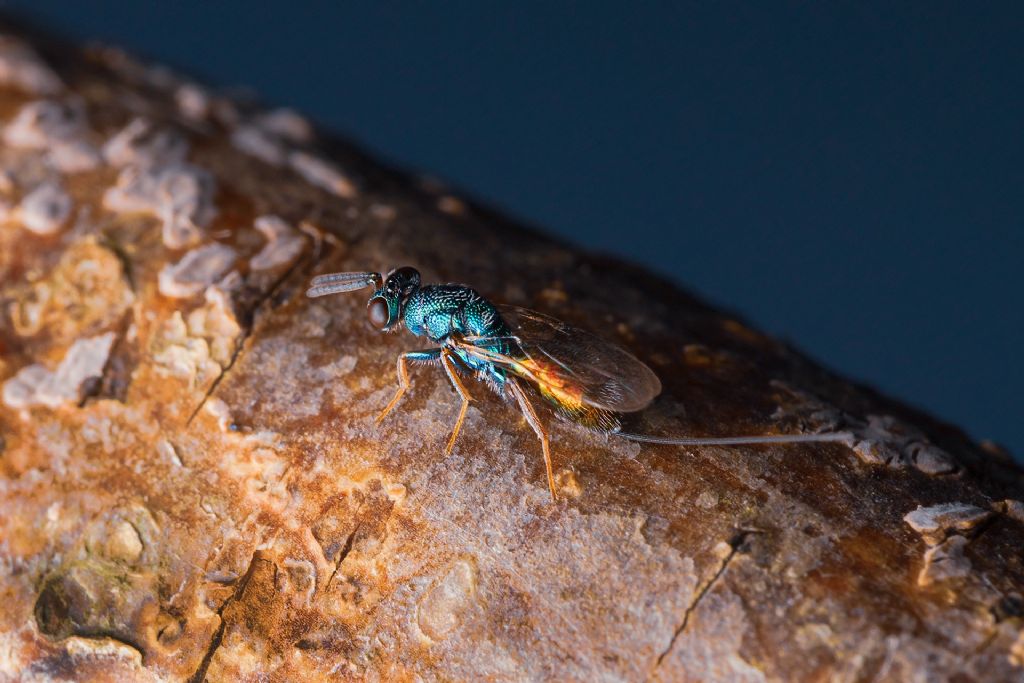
{"points": [[513, 350]]}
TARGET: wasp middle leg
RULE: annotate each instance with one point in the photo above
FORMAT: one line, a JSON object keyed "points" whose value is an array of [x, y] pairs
{"points": [[452, 372], [426, 355]]}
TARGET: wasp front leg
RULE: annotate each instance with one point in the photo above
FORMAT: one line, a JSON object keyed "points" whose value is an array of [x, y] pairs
{"points": [[427, 355]]}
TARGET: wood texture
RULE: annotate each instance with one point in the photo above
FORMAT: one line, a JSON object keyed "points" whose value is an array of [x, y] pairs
{"points": [[192, 485]]}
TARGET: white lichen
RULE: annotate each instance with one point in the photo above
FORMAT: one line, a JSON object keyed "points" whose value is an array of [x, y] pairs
{"points": [[59, 129], [22, 68], [197, 270], [936, 522], [45, 209], [286, 124], [37, 386], [180, 355], [322, 173], [258, 143], [181, 195], [74, 156], [220, 412], [880, 440], [140, 143], [270, 136], [193, 101], [1014, 509], [284, 244], [123, 543], [945, 561], [221, 293], [38, 124], [217, 321]]}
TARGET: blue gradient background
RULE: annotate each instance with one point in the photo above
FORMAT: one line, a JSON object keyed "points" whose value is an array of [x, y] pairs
{"points": [[846, 175]]}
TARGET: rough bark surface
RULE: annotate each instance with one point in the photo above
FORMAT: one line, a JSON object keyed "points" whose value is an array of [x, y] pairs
{"points": [[192, 485]]}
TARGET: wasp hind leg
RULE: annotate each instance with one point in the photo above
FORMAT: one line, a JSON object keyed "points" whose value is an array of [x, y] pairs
{"points": [[403, 375], [531, 416], [453, 376]]}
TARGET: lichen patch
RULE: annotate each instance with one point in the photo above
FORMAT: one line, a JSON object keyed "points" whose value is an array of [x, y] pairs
{"points": [[217, 320], [197, 270], [141, 143], [271, 136], [944, 562], [178, 354], [37, 386], [86, 292], [57, 128], [46, 209], [179, 194], [879, 440], [287, 124], [322, 173], [284, 244], [194, 101], [936, 522], [259, 143], [1014, 509], [22, 68]]}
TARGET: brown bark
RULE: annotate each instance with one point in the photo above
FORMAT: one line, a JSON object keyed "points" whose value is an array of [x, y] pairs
{"points": [[192, 485]]}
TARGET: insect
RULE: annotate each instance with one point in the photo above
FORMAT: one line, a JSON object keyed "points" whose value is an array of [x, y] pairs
{"points": [[516, 352]]}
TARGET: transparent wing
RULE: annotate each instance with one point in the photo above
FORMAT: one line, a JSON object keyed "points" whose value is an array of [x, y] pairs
{"points": [[571, 361]]}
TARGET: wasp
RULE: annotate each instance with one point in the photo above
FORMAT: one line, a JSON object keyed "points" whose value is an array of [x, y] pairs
{"points": [[518, 353]]}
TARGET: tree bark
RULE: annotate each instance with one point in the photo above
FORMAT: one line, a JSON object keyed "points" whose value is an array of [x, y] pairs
{"points": [[192, 485]]}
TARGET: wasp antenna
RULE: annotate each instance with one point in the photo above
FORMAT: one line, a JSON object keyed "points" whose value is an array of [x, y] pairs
{"points": [[334, 283], [736, 440], [331, 278]]}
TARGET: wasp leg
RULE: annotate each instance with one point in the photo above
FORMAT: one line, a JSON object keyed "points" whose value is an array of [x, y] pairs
{"points": [[403, 375], [531, 416], [449, 369]]}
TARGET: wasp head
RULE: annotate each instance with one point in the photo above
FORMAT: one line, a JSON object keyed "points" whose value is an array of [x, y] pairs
{"points": [[386, 305], [384, 309]]}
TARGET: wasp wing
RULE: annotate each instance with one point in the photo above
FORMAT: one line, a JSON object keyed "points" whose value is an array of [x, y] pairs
{"points": [[570, 361]]}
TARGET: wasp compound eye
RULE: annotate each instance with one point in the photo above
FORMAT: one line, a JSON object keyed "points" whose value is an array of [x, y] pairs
{"points": [[377, 312]]}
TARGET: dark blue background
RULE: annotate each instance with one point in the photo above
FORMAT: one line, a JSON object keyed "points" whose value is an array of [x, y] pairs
{"points": [[848, 176]]}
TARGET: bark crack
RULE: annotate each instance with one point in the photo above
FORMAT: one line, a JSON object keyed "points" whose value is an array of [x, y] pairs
{"points": [[218, 635], [235, 353], [346, 549], [734, 547], [305, 264], [124, 258]]}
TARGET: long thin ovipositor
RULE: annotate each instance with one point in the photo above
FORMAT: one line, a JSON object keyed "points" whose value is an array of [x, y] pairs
{"points": [[735, 440]]}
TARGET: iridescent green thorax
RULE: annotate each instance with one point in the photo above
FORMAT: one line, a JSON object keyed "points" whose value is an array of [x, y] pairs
{"points": [[439, 311]]}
